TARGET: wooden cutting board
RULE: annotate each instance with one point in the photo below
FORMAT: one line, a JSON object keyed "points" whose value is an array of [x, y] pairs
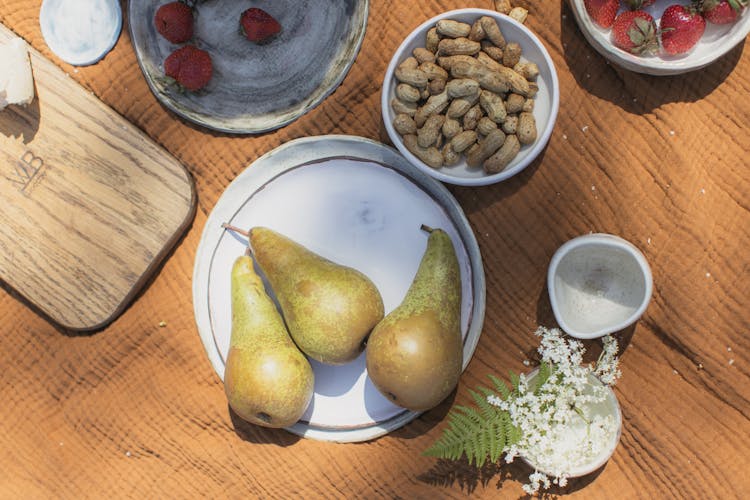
{"points": [[89, 205]]}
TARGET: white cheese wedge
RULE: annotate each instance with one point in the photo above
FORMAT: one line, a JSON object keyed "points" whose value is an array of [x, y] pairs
{"points": [[16, 80]]}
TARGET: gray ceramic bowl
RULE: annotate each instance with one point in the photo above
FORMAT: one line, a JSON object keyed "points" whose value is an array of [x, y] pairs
{"points": [[255, 88]]}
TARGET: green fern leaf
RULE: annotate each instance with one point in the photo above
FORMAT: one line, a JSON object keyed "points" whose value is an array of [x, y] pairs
{"points": [[515, 380], [501, 387], [478, 432]]}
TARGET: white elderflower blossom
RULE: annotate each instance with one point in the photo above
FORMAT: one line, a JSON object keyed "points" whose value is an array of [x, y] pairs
{"points": [[560, 431]]}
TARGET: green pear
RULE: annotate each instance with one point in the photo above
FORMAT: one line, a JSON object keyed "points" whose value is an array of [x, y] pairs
{"points": [[267, 380], [415, 354], [329, 308]]}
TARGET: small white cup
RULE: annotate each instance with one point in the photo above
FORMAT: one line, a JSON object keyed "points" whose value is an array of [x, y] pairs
{"points": [[608, 407], [598, 284]]}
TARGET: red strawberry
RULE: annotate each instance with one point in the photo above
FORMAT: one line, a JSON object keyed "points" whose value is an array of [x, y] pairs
{"points": [[258, 25], [190, 66], [602, 12], [721, 11], [638, 4], [681, 28], [635, 31], [174, 21]]}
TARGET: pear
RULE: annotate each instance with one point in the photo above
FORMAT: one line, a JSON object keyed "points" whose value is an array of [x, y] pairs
{"points": [[414, 355], [329, 308], [267, 380]]}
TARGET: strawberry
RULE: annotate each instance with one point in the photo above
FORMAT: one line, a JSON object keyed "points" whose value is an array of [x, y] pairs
{"points": [[602, 12], [190, 67], [174, 21], [258, 25], [638, 4], [721, 11], [681, 27], [635, 31]]}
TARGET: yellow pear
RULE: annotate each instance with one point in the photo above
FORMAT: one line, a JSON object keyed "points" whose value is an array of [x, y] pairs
{"points": [[267, 380], [329, 308], [415, 354]]}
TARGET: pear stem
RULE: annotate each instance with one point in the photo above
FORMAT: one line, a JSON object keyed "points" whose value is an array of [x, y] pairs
{"points": [[236, 229], [425, 227], [240, 231]]}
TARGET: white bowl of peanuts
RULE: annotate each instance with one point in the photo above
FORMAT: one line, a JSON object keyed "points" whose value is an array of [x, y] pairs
{"points": [[470, 97]]}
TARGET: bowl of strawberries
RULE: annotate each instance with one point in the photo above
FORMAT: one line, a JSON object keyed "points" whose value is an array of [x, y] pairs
{"points": [[663, 37]]}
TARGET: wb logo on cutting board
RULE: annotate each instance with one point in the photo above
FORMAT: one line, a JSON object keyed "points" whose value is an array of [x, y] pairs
{"points": [[28, 171]]}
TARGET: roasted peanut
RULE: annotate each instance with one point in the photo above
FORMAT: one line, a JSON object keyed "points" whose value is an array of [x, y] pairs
{"points": [[517, 83], [487, 147], [471, 68], [502, 158], [451, 127], [533, 89], [436, 86], [407, 108], [471, 117], [433, 71], [434, 105], [457, 46], [412, 76], [423, 55], [404, 124], [485, 59], [452, 29], [511, 54], [407, 93], [461, 87], [492, 31], [447, 62], [492, 50], [431, 40], [526, 128], [463, 141], [503, 6], [460, 105], [519, 14], [428, 134], [450, 157], [477, 32], [493, 106], [472, 150], [409, 63], [528, 70], [431, 156], [514, 103], [439, 141], [510, 125], [528, 105], [485, 125]]}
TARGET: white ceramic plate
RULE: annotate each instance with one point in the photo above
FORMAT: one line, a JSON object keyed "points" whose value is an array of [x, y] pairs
{"points": [[356, 202], [716, 41], [80, 32], [255, 88], [546, 102]]}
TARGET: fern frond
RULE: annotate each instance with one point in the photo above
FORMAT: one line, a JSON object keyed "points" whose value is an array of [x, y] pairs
{"points": [[515, 381], [476, 432], [501, 387]]}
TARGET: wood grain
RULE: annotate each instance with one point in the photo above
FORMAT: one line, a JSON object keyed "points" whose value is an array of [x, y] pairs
{"points": [[135, 410], [91, 204]]}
